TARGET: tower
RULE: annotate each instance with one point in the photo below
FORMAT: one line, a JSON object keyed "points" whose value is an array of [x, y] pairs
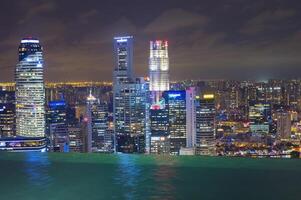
{"points": [[30, 92], [205, 125], [158, 69]]}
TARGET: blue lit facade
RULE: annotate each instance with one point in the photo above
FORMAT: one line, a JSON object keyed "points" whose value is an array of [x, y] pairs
{"points": [[30, 92], [57, 130]]}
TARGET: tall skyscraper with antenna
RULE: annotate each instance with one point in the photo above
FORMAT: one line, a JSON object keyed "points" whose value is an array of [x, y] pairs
{"points": [[30, 92]]}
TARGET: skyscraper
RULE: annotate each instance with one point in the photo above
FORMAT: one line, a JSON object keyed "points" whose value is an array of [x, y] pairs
{"points": [[158, 69], [123, 59], [98, 122], [30, 93], [175, 104], [259, 117], [190, 117], [129, 99], [283, 125], [57, 130], [205, 125], [7, 114], [159, 139], [130, 115]]}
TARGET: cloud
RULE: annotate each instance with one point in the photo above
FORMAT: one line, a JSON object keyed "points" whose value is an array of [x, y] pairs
{"points": [[41, 8], [267, 20], [175, 19], [86, 16]]}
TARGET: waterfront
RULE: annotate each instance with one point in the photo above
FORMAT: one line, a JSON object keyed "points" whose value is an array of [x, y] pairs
{"points": [[98, 176]]}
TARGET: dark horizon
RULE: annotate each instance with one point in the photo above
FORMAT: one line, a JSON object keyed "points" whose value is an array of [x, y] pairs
{"points": [[240, 40]]}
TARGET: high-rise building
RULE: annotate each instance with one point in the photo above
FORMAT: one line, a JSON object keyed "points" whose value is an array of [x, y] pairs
{"points": [[158, 69], [129, 100], [7, 120], [30, 93], [76, 138], [190, 118], [159, 139], [7, 114], [283, 125], [175, 104], [97, 112], [130, 116], [205, 125], [259, 117], [123, 58], [57, 130]]}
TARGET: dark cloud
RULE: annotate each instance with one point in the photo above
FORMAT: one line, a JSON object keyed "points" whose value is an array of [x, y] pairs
{"points": [[239, 39]]}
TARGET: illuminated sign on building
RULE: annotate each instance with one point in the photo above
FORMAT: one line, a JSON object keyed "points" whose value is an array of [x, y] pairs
{"points": [[174, 95], [208, 96]]}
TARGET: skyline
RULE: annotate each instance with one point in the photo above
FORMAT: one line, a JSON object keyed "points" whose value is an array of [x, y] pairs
{"points": [[208, 40]]}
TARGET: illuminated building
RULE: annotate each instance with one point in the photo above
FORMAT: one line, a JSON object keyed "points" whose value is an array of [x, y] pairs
{"points": [[283, 125], [30, 93], [205, 125], [160, 139], [57, 130], [98, 122], [123, 57], [22, 144], [76, 138], [129, 100], [7, 120], [130, 115], [158, 69], [7, 114], [259, 117], [190, 117], [175, 104]]}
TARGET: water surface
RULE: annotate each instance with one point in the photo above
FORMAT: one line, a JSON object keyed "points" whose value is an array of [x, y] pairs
{"points": [[97, 176]]}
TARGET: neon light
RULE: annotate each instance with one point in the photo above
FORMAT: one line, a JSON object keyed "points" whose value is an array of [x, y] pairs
{"points": [[30, 41], [208, 96], [174, 95], [122, 40]]}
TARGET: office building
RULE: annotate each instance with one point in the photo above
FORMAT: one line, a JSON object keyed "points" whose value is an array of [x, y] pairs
{"points": [[175, 104], [159, 138], [259, 117], [30, 93], [98, 122], [283, 125], [129, 100], [57, 130], [205, 125]]}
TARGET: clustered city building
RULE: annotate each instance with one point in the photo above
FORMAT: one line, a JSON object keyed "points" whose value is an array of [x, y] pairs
{"points": [[151, 114]]}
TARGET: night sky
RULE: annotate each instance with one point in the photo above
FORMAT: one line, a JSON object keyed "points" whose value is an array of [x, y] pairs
{"points": [[208, 39]]}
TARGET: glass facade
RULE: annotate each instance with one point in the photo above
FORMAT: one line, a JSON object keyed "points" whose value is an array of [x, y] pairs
{"points": [[205, 125], [158, 69], [30, 92], [175, 102]]}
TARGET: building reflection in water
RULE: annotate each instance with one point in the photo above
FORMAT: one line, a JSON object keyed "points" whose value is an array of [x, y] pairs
{"points": [[164, 175], [36, 168], [127, 175]]}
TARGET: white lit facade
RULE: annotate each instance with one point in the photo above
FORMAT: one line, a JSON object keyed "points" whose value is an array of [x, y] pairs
{"points": [[30, 92], [158, 69]]}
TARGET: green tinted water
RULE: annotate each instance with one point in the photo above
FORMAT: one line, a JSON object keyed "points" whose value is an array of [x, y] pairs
{"points": [[96, 176]]}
